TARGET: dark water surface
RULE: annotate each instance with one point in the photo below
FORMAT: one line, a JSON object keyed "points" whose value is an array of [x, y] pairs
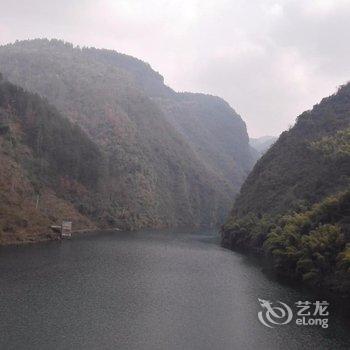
{"points": [[147, 290]]}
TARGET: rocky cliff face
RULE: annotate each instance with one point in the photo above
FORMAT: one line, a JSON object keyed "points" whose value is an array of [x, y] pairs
{"points": [[172, 159]]}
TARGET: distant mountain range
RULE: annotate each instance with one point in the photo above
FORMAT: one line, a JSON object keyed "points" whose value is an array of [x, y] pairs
{"points": [[295, 204], [262, 144], [165, 159]]}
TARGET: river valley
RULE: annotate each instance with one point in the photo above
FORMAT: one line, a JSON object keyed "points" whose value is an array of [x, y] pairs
{"points": [[146, 290]]}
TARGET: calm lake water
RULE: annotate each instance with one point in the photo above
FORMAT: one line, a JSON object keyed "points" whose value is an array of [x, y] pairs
{"points": [[146, 290]]}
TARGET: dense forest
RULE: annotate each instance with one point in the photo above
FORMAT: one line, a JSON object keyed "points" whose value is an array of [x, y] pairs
{"points": [[50, 169], [294, 207], [169, 159]]}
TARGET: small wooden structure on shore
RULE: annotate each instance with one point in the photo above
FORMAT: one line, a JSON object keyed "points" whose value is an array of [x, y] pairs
{"points": [[64, 230]]}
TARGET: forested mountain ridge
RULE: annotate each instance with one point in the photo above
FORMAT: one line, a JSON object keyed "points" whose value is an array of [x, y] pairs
{"points": [[207, 125], [50, 170], [294, 206], [157, 175]]}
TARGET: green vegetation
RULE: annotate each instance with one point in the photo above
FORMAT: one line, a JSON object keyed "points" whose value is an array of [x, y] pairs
{"points": [[311, 245], [163, 149], [63, 148], [45, 160], [294, 207], [335, 148]]}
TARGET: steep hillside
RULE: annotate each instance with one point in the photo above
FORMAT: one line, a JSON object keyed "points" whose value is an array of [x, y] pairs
{"points": [[162, 164], [50, 170], [214, 131], [295, 205], [210, 126]]}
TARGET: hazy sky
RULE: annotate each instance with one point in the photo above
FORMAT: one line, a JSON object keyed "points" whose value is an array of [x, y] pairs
{"points": [[270, 60]]}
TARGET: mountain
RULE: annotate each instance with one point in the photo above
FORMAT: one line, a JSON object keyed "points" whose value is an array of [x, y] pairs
{"points": [[295, 204], [50, 170], [167, 164], [262, 144], [207, 125]]}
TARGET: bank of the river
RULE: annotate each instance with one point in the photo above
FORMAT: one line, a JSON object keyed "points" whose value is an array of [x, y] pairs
{"points": [[269, 265]]}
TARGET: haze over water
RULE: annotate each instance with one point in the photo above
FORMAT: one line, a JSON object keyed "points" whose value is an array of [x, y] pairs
{"points": [[145, 290]]}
